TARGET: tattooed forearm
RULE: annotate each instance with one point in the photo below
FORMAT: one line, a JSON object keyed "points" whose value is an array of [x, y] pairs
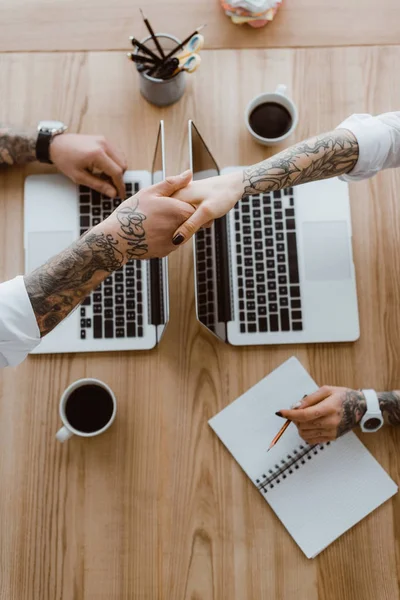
{"points": [[353, 409], [389, 403], [17, 148], [65, 280], [132, 230], [321, 157]]}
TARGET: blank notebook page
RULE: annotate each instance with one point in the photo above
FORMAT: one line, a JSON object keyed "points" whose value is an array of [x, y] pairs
{"points": [[318, 497]]}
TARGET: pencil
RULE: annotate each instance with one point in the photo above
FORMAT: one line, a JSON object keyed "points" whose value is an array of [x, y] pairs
{"points": [[279, 435], [284, 427], [144, 49], [178, 47], [185, 41], [153, 35], [138, 58], [167, 69]]}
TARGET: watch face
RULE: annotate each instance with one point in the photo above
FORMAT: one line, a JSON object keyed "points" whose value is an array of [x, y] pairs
{"points": [[372, 423], [52, 126]]}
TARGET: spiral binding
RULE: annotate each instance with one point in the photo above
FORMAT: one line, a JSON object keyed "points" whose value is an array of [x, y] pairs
{"points": [[292, 462]]}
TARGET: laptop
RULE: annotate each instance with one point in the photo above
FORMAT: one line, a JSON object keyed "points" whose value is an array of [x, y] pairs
{"points": [[130, 309], [278, 268]]}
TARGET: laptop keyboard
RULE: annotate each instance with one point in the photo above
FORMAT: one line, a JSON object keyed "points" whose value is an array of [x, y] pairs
{"points": [[205, 280], [267, 263], [115, 308]]}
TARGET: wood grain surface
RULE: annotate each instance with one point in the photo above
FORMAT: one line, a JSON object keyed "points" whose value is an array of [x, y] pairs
{"points": [[156, 509], [42, 25]]}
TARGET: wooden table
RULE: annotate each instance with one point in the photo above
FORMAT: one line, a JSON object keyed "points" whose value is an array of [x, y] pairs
{"points": [[48, 25], [157, 509]]}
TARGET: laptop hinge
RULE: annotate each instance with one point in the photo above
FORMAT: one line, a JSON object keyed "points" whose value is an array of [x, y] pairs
{"points": [[156, 292], [223, 270]]}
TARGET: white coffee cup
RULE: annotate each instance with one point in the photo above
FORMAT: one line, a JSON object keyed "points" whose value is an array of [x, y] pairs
{"points": [[280, 97], [68, 430]]}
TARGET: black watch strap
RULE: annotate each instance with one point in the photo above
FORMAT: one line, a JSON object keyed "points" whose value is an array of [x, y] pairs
{"points": [[43, 141]]}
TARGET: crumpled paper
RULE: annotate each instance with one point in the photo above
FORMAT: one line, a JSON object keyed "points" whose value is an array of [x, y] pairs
{"points": [[256, 13]]}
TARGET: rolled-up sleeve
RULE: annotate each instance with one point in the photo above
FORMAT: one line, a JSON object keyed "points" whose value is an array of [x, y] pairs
{"points": [[19, 331], [378, 141]]}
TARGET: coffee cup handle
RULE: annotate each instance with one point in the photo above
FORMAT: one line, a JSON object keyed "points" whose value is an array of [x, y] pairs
{"points": [[63, 434], [281, 89]]}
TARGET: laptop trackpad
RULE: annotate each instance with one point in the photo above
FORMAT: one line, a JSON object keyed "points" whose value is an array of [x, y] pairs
{"points": [[326, 251], [42, 245]]}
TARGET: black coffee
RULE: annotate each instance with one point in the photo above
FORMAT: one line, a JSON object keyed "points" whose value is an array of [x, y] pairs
{"points": [[89, 408], [270, 120]]}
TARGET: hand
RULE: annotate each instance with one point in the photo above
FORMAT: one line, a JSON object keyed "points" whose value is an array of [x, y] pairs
{"points": [[212, 198], [78, 155], [327, 414], [142, 226]]}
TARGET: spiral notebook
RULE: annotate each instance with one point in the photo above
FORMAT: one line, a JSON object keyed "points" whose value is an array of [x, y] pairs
{"points": [[318, 492]]}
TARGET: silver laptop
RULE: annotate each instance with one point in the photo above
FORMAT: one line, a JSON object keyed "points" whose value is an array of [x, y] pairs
{"points": [[130, 309], [278, 269]]}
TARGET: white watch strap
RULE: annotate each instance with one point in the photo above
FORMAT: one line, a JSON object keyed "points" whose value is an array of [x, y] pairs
{"points": [[372, 401]]}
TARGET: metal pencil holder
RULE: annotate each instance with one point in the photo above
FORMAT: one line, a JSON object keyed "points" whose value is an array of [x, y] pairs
{"points": [[161, 92]]}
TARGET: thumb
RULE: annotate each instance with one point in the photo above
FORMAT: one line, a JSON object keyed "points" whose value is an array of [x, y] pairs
{"points": [[189, 227], [170, 185]]}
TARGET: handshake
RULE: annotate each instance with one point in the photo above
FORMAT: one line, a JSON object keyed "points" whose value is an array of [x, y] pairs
{"points": [[156, 220], [150, 224]]}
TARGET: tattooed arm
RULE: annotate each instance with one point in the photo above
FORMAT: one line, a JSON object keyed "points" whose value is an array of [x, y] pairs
{"points": [[65, 280], [17, 147], [389, 403], [333, 411], [74, 155], [321, 157], [140, 228]]}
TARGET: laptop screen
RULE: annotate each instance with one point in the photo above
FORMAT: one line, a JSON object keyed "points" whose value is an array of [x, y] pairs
{"points": [[213, 299], [159, 294], [158, 166]]}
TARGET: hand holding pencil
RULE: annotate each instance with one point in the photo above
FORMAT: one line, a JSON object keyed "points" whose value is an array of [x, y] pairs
{"points": [[326, 414], [285, 425]]}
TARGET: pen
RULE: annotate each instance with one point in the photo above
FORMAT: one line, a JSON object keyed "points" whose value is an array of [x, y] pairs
{"points": [[153, 36], [144, 49], [283, 428]]}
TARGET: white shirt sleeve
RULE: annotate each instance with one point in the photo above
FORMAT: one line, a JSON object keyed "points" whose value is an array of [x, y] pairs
{"points": [[19, 331], [378, 141]]}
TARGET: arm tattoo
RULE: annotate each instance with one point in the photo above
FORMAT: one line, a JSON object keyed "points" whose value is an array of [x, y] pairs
{"points": [[66, 279], [132, 230], [389, 403], [321, 157], [16, 148], [353, 409]]}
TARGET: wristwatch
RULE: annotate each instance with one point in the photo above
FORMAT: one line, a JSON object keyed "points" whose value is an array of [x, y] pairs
{"points": [[47, 130], [373, 419]]}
